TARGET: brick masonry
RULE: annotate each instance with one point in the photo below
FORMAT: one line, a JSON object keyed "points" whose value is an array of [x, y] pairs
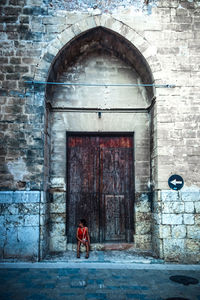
{"points": [[166, 33]]}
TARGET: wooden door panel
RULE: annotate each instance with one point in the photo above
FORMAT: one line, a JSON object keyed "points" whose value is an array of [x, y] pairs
{"points": [[83, 185], [100, 186], [114, 218], [116, 184]]}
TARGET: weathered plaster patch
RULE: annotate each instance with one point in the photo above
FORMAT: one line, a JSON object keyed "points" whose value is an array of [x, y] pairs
{"points": [[18, 169]]}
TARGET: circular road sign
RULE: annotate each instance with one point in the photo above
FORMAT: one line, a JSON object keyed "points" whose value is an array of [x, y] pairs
{"points": [[175, 182]]}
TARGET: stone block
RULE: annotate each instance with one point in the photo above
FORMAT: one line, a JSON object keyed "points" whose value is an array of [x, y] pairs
{"points": [[167, 195], [15, 76], [188, 219], [31, 220], [193, 231], [172, 219], [165, 231], [157, 218], [172, 207], [197, 25], [142, 205], [59, 197], [33, 2], [14, 220], [57, 44], [76, 29], [143, 241], [197, 207], [24, 20], [190, 195], [55, 29], [174, 249], [28, 241], [6, 197], [26, 196], [3, 60], [21, 69], [10, 245], [58, 218], [58, 207], [52, 20], [9, 209], [66, 36], [168, 51], [28, 208], [57, 182], [15, 60], [189, 207], [182, 19], [142, 228], [143, 217], [34, 10], [10, 10], [7, 83], [197, 219], [178, 231], [57, 229], [49, 55], [192, 245], [58, 244]]}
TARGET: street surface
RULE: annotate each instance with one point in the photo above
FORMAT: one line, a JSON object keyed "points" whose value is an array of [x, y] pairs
{"points": [[93, 281]]}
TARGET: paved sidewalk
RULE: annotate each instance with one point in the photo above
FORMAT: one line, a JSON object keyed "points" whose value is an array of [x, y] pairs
{"points": [[94, 280]]}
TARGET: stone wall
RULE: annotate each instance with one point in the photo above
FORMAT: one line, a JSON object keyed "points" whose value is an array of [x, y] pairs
{"points": [[166, 33], [19, 226], [176, 217]]}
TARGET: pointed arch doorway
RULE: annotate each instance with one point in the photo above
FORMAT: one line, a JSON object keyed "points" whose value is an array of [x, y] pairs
{"points": [[99, 56]]}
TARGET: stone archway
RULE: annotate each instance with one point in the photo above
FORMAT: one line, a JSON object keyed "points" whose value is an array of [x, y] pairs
{"points": [[147, 51], [123, 42]]}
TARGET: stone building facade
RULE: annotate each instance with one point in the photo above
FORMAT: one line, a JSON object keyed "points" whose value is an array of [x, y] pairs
{"points": [[138, 65]]}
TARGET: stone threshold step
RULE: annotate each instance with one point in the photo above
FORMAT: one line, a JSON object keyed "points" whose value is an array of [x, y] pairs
{"points": [[117, 266], [106, 261]]}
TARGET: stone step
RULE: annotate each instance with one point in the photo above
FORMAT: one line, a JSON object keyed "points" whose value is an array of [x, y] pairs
{"points": [[114, 256]]}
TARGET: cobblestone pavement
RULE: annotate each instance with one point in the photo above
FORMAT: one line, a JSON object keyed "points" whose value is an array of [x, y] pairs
{"points": [[52, 281]]}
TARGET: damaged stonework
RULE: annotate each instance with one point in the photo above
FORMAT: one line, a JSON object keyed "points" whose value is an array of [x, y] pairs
{"points": [[19, 224], [18, 169], [95, 6]]}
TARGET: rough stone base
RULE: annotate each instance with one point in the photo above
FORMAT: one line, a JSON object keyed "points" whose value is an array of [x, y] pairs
{"points": [[19, 224], [176, 230]]}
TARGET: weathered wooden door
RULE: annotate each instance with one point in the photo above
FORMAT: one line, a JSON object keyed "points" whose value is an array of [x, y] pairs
{"points": [[100, 186]]}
